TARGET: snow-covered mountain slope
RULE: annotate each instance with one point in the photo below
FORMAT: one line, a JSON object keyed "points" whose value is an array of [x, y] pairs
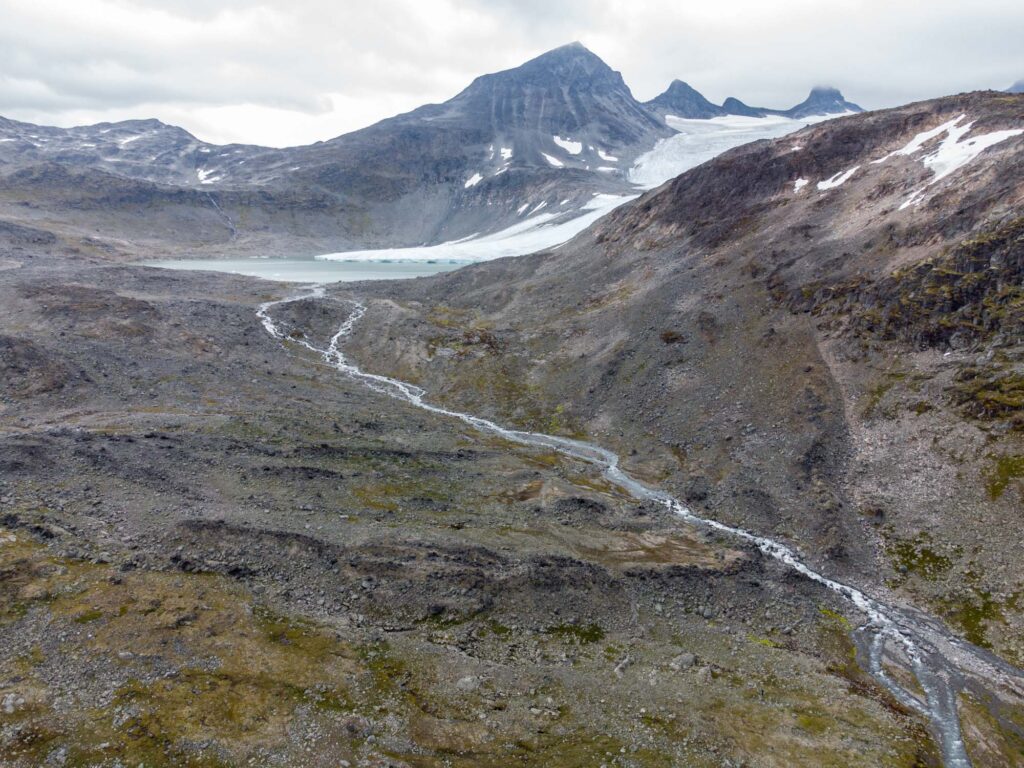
{"points": [[553, 134]]}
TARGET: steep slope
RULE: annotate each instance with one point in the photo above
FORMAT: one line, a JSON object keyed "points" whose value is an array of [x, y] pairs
{"points": [[561, 127], [1017, 87], [819, 338]]}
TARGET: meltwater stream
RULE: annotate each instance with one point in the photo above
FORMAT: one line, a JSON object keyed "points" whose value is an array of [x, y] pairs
{"points": [[940, 661]]}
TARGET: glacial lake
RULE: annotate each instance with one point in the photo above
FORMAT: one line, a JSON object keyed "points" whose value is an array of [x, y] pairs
{"points": [[309, 270]]}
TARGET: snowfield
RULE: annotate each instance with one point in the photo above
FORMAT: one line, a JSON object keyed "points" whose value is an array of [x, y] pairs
{"points": [[701, 140], [538, 232]]}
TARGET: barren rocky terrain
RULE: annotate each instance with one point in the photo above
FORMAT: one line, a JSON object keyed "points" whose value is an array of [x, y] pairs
{"points": [[216, 550]]}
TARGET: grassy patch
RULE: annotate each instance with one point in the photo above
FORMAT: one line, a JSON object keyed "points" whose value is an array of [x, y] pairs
{"points": [[1004, 470], [916, 556], [584, 634]]}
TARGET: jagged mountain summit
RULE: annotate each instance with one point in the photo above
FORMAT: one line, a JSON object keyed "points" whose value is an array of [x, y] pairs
{"points": [[681, 100]]}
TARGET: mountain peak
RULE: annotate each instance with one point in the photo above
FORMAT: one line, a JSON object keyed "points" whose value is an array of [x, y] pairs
{"points": [[734, 106], [1017, 87], [571, 60], [683, 100], [567, 91], [823, 100]]}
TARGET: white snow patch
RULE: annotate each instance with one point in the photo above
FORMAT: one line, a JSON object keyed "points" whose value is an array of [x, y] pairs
{"points": [[606, 157], [128, 140], [473, 180], [501, 170], [570, 146], [540, 205], [522, 208], [920, 140], [606, 169], [800, 184], [554, 161], [540, 232], [506, 153], [207, 177], [3, 141], [838, 179]]}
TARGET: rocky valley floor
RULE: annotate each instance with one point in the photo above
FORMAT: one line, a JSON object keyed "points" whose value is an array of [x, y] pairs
{"points": [[215, 551]]}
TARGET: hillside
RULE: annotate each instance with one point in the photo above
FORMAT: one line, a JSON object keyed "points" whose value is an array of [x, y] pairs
{"points": [[818, 338]]}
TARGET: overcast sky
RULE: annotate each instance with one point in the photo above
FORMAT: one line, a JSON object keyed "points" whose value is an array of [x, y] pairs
{"points": [[281, 73]]}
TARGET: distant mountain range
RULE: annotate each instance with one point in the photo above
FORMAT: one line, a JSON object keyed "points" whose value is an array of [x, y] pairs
{"points": [[553, 132], [682, 100], [1017, 87]]}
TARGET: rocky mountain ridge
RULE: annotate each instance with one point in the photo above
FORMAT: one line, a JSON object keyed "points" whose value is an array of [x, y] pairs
{"points": [[682, 100]]}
